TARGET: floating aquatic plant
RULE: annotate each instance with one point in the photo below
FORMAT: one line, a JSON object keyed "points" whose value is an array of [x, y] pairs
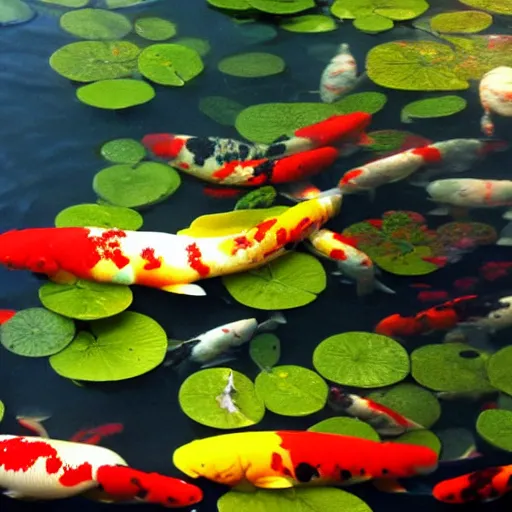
{"points": [[13, 12], [384, 141], [73, 4], [346, 427], [123, 151], [115, 94], [222, 110], [441, 106], [361, 359], [155, 29], [2, 410], [198, 399], [252, 65], [201, 46], [464, 236], [96, 24], [461, 22], [373, 23], [495, 6], [280, 7], [457, 443], [498, 369], [100, 216], [262, 197], [265, 350], [495, 426], [309, 23], [255, 33], [422, 438]]}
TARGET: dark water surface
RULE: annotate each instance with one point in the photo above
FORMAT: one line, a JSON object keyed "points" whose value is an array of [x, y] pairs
{"points": [[49, 153]]}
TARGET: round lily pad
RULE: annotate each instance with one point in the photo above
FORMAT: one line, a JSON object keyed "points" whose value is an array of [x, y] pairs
{"points": [[155, 29], [309, 23], [222, 110], [496, 6], [414, 66], [198, 397], [292, 390], [170, 64], [117, 348], [373, 23], [290, 281], [393, 140], [361, 359], [457, 443], [100, 216], [95, 24], [262, 197], [88, 61], [123, 151], [231, 5], [134, 187], [255, 33], [462, 22], [201, 46], [498, 369], [399, 10], [120, 4], [279, 7], [85, 300], [441, 106], [13, 12], [74, 4], [421, 438], [409, 264], [36, 332], [346, 427], [265, 350], [252, 65], [495, 426], [413, 402], [2, 410], [450, 367]]}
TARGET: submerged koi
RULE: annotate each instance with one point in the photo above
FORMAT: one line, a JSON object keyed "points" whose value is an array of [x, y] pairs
{"points": [[495, 96], [95, 435]]}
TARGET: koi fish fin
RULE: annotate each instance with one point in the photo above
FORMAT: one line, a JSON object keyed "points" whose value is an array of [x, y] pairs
{"points": [[300, 191], [34, 424], [226, 358], [16, 495], [63, 277], [275, 320], [507, 215], [389, 485], [273, 482], [172, 344], [506, 233], [416, 488], [184, 289], [383, 288], [177, 355]]}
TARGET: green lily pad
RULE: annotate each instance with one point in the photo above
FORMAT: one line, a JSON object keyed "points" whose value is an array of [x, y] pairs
{"points": [[262, 197], [96, 24], [433, 107], [392, 140], [115, 94], [13, 12], [265, 350], [117, 348], [88, 61], [361, 359], [421, 438], [201, 46], [291, 281], [413, 402], [280, 7], [309, 23], [414, 66], [255, 33], [373, 23], [461, 22], [252, 65], [456, 443], [198, 399], [36, 332], [410, 264], [74, 4], [120, 4], [346, 427], [85, 300], [267, 122], [323, 499], [123, 151], [99, 216], [2, 410], [155, 29], [495, 426], [222, 110], [292, 390], [134, 187], [496, 6], [232, 5], [498, 369], [450, 367], [170, 64], [504, 402]]}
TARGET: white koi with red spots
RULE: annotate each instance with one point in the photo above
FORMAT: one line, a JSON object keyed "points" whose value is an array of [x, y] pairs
{"points": [[495, 96], [340, 75]]}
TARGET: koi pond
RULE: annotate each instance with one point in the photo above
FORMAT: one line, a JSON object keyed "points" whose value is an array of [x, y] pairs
{"points": [[255, 255]]}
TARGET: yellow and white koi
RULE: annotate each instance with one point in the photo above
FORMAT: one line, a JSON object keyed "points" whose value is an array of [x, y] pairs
{"points": [[495, 96]]}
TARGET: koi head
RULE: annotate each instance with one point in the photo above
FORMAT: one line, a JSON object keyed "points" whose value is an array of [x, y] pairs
{"points": [[339, 400], [164, 145], [444, 191], [237, 333]]}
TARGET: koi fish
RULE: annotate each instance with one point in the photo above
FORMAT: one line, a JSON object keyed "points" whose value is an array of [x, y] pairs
{"points": [[208, 346], [95, 435], [384, 420], [493, 270], [351, 262], [495, 91], [161, 260], [225, 399], [340, 75], [6, 314], [432, 296], [284, 459]]}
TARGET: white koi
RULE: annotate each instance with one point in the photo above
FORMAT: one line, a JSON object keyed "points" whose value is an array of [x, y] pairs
{"points": [[495, 96]]}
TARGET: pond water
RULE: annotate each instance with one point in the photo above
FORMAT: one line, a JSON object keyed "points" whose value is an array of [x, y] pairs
{"points": [[50, 152]]}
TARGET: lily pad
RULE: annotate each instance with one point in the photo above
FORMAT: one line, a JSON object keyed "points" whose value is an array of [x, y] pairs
{"points": [[421, 438], [134, 187], [373, 23], [495, 426], [255, 33], [262, 197], [198, 399], [201, 46], [252, 65], [433, 107], [413, 402], [265, 350], [117, 348], [74, 4], [496, 6], [170, 64], [457, 443], [85, 300], [155, 29], [461, 22], [323, 499], [120, 4], [280, 7], [222, 110], [233, 5], [450, 367], [395, 140], [361, 359], [36, 332], [13, 12], [498, 369], [291, 281], [414, 66], [292, 390], [465, 235], [2, 410], [346, 427], [309, 23], [410, 264], [96, 24], [99, 216], [123, 151], [115, 94], [88, 61]]}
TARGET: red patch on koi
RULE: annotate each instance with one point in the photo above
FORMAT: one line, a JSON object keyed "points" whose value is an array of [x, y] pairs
{"points": [[428, 153], [194, 260], [153, 262], [348, 240], [281, 236], [109, 247], [184, 165], [241, 243], [221, 193], [6, 314], [439, 261], [20, 455], [230, 167], [338, 254], [349, 176], [262, 229], [301, 229], [76, 475], [225, 330], [53, 465], [163, 145], [433, 296]]}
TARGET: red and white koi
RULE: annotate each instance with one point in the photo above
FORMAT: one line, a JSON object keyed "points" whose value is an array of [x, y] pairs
{"points": [[384, 420], [495, 96], [351, 262], [169, 262]]}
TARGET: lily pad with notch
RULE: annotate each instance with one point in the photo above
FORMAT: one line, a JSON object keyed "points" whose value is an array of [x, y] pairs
{"points": [[265, 350], [495, 426], [96, 24], [100, 216], [346, 427], [429, 108]]}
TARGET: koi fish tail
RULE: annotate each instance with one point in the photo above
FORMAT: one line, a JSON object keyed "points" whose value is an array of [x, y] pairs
{"points": [[178, 354], [383, 288], [275, 320], [300, 191]]}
